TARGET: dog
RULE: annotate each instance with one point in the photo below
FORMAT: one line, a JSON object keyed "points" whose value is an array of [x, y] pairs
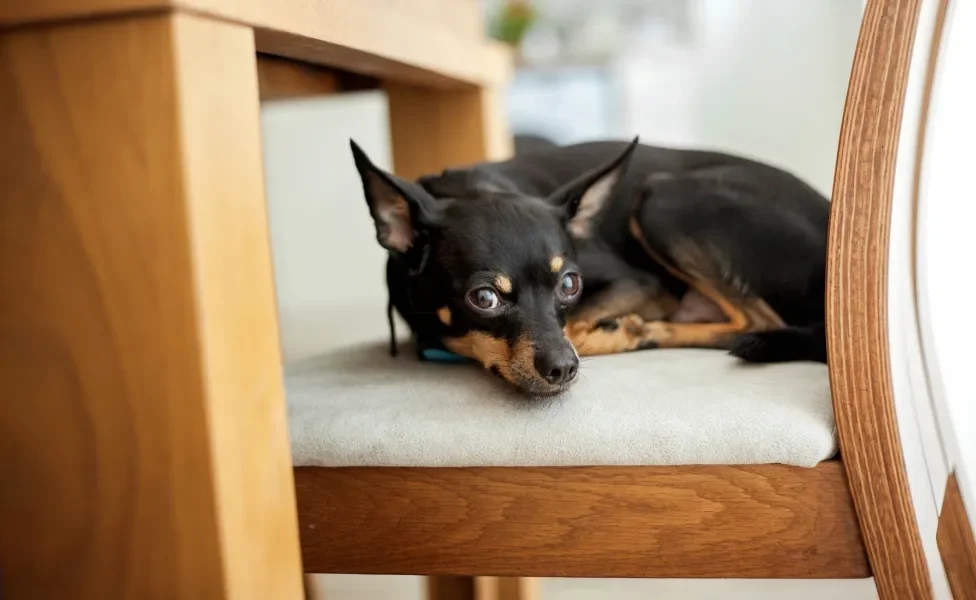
{"points": [[677, 249]]}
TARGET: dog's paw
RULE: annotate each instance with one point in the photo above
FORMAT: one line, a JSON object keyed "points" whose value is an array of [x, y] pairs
{"points": [[607, 325], [621, 334]]}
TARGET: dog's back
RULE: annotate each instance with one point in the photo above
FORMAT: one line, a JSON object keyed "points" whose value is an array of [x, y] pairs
{"points": [[784, 219]]}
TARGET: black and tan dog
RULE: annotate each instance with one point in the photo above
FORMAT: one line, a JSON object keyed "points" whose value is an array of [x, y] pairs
{"points": [[677, 249]]}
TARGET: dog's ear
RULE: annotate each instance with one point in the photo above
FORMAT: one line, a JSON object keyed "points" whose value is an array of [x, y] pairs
{"points": [[400, 209], [582, 199]]}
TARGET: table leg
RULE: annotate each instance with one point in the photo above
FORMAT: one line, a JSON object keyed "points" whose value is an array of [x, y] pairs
{"points": [[143, 440], [432, 128]]}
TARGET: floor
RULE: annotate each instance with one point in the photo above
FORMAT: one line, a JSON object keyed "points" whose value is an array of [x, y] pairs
{"points": [[352, 587]]}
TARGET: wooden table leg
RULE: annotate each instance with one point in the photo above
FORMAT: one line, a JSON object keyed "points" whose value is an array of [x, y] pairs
{"points": [[432, 129], [143, 441]]}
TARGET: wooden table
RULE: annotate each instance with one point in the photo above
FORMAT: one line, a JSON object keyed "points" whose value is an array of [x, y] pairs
{"points": [[143, 444]]}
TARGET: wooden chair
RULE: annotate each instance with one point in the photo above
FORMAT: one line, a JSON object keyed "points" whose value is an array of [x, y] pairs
{"points": [[145, 452], [846, 518]]}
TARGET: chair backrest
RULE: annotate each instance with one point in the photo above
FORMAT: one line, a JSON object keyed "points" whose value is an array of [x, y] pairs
{"points": [[869, 287]]}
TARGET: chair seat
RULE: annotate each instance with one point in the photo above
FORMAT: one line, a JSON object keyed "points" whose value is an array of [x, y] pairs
{"points": [[357, 406]]}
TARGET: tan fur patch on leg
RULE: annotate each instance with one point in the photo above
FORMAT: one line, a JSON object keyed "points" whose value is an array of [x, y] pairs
{"points": [[633, 333], [744, 314]]}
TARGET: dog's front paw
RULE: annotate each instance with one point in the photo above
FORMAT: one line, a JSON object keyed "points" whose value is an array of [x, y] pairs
{"points": [[621, 334], [611, 324]]}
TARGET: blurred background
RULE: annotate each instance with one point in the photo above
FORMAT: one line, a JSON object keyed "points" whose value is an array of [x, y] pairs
{"points": [[761, 78], [765, 78]]}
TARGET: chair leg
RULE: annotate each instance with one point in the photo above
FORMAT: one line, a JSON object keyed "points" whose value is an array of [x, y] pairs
{"points": [[144, 444], [313, 589], [507, 588], [451, 588]]}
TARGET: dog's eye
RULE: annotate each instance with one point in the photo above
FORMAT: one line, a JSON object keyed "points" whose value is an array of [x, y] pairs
{"points": [[483, 299], [570, 285]]}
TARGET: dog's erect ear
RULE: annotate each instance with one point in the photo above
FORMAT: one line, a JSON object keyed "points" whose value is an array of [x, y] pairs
{"points": [[399, 208], [582, 199]]}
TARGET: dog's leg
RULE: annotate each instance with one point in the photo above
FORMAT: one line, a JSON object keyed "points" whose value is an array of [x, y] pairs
{"points": [[631, 332], [743, 313], [621, 298]]}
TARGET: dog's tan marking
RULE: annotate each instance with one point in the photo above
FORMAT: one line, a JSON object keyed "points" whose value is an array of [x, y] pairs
{"points": [[750, 313], [515, 363], [744, 314], [477, 345], [521, 362], [556, 264], [444, 314], [504, 284], [634, 333]]}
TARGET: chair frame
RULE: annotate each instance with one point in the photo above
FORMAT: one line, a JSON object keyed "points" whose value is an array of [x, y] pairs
{"points": [[465, 521]]}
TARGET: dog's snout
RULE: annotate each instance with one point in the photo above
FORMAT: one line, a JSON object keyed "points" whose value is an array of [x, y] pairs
{"points": [[557, 366]]}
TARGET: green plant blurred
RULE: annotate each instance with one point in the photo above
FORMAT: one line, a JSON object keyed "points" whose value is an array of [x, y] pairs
{"points": [[513, 21]]}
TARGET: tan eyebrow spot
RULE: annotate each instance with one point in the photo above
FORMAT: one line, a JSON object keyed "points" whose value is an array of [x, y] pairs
{"points": [[556, 264], [504, 284], [444, 314]]}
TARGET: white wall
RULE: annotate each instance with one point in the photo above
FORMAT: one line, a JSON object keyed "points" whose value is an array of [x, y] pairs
{"points": [[328, 266], [765, 78]]}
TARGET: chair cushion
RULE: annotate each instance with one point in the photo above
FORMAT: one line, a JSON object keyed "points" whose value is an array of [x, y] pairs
{"points": [[357, 406]]}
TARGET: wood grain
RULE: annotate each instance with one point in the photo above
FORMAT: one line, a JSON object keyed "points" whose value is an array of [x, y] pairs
{"points": [[956, 544], [284, 79], [144, 447], [426, 126], [703, 521], [389, 39], [857, 327], [280, 78]]}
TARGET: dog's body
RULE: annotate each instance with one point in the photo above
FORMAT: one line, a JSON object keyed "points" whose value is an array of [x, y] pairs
{"points": [[677, 248]]}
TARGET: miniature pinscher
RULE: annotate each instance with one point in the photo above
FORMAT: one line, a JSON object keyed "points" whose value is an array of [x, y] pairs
{"points": [[677, 249]]}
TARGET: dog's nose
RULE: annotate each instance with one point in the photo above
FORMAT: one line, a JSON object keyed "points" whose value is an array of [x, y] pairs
{"points": [[559, 366]]}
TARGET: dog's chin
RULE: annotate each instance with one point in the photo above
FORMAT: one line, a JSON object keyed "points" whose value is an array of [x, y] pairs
{"points": [[534, 387], [545, 390]]}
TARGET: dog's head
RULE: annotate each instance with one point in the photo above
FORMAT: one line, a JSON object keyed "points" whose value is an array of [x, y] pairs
{"points": [[485, 271]]}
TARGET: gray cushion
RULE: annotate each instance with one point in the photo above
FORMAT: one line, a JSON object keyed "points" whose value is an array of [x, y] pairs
{"points": [[355, 405]]}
